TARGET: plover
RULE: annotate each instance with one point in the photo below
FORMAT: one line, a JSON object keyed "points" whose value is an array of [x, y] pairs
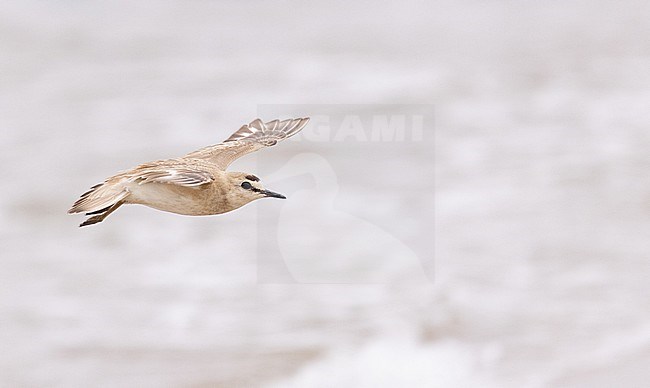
{"points": [[196, 184]]}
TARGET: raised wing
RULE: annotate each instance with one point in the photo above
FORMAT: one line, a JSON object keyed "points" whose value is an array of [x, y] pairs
{"points": [[249, 138]]}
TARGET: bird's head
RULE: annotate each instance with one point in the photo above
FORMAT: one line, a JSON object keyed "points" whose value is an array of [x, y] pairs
{"points": [[246, 187]]}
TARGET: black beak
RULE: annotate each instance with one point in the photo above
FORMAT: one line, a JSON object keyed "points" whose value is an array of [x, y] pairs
{"points": [[268, 193]]}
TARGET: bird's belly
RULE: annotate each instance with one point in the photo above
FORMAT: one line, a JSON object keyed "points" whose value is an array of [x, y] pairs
{"points": [[190, 201]]}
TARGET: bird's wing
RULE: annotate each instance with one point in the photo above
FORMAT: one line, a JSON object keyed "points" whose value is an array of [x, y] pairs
{"points": [[113, 189], [171, 171], [247, 139]]}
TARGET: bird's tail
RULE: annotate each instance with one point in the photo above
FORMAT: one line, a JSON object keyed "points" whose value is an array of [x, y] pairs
{"points": [[100, 197]]}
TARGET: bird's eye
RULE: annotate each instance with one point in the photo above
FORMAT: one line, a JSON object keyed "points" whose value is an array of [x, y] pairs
{"points": [[246, 185]]}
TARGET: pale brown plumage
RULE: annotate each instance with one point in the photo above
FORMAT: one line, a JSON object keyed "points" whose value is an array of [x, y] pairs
{"points": [[194, 184]]}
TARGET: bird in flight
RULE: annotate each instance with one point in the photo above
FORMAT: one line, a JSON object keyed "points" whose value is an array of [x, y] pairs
{"points": [[196, 184]]}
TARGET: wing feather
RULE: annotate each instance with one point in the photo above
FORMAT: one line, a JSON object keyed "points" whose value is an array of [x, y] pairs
{"points": [[171, 172], [116, 188], [249, 138]]}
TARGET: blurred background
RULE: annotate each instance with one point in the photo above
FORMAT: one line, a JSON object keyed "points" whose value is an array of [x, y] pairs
{"points": [[506, 247]]}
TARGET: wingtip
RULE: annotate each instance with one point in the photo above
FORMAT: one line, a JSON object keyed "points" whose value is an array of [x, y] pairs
{"points": [[296, 126], [274, 128]]}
